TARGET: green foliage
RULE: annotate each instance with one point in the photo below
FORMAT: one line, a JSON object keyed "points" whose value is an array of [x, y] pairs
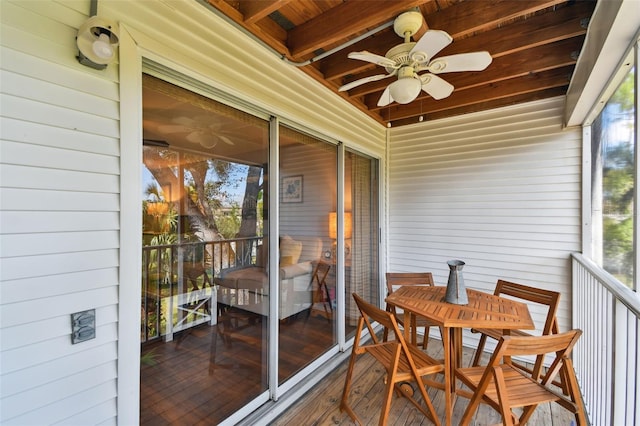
{"points": [[229, 223], [624, 96], [618, 183]]}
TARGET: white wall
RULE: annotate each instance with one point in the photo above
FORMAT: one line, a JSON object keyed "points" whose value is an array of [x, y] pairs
{"points": [[499, 190], [69, 157], [59, 220]]}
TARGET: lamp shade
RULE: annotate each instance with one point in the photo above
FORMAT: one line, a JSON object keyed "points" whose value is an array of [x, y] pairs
{"points": [[405, 90], [333, 225]]}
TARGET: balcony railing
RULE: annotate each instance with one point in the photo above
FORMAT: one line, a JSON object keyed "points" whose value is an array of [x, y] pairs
{"points": [[178, 282], [606, 358]]}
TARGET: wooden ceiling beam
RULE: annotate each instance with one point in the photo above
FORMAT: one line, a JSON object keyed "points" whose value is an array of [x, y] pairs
{"points": [[550, 27], [461, 19], [269, 32], [342, 22], [483, 106], [537, 31], [255, 10], [528, 84]]}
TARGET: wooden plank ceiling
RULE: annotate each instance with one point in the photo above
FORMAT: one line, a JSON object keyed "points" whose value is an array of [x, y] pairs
{"points": [[534, 45]]}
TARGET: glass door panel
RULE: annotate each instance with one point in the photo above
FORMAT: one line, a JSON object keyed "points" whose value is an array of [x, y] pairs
{"points": [[204, 301], [308, 188], [361, 234]]}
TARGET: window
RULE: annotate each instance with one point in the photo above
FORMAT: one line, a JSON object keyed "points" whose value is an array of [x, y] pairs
{"points": [[613, 182]]}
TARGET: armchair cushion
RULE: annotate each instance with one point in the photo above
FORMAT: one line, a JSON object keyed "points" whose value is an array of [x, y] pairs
{"points": [[292, 271], [295, 278], [290, 250]]}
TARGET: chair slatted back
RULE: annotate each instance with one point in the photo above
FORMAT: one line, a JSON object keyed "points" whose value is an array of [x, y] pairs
{"points": [[408, 278], [534, 295], [397, 279]]}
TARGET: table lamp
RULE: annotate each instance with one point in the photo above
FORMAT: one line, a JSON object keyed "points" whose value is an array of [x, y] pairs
{"points": [[333, 231]]}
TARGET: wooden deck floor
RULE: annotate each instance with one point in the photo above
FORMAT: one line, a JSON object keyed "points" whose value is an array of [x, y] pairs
{"points": [[321, 405]]}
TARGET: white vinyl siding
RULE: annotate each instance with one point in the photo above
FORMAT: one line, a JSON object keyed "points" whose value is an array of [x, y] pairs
{"points": [[59, 221], [499, 190], [61, 187], [216, 53]]}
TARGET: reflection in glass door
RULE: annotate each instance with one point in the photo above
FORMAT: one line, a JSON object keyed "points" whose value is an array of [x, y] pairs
{"points": [[307, 268], [205, 286]]}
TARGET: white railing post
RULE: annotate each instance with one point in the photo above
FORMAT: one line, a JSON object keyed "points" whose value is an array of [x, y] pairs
{"points": [[607, 357]]}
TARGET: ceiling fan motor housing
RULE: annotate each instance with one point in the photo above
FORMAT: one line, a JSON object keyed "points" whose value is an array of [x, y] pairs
{"points": [[400, 54]]}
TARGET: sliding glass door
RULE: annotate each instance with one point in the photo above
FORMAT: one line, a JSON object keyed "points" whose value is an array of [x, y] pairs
{"points": [[228, 311]]}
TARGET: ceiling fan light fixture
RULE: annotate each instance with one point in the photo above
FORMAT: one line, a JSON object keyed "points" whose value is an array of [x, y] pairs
{"points": [[405, 90]]}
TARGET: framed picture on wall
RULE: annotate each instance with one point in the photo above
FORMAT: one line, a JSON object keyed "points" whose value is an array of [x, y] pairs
{"points": [[292, 189]]}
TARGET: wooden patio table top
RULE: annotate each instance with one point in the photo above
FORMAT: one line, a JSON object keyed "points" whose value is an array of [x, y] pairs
{"points": [[484, 310]]}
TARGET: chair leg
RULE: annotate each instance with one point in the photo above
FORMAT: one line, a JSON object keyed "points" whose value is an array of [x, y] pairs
{"points": [[427, 401], [425, 339], [526, 414], [503, 397], [384, 415], [344, 403], [479, 350], [574, 391], [471, 410]]}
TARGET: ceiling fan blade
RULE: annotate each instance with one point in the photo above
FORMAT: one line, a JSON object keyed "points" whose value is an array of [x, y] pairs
{"points": [[364, 80], [185, 121], [373, 58], [205, 139], [226, 140], [436, 86], [430, 44], [386, 98], [475, 61], [174, 128]]}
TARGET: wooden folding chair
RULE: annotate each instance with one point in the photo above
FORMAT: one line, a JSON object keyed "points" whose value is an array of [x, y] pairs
{"points": [[548, 298], [320, 290], [504, 387], [403, 363], [396, 279]]}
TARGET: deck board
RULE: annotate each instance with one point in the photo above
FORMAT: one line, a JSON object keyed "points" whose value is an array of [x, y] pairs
{"points": [[321, 405], [182, 389]]}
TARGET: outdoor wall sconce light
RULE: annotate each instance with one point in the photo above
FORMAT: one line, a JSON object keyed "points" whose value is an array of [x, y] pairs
{"points": [[97, 41]]}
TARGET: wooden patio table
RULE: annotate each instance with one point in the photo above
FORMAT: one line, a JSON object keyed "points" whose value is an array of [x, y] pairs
{"points": [[483, 311]]}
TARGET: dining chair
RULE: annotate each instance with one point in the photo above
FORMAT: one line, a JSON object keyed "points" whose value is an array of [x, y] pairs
{"points": [[504, 387], [403, 363], [546, 298], [396, 279]]}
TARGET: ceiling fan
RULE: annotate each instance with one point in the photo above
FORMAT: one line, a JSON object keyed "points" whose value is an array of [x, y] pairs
{"points": [[200, 130], [407, 59]]}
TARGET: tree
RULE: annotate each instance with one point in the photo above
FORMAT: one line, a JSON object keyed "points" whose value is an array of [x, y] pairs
{"points": [[198, 184], [618, 179]]}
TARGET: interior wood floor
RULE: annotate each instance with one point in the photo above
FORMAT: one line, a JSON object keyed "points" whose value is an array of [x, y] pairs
{"points": [[208, 372], [321, 405]]}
